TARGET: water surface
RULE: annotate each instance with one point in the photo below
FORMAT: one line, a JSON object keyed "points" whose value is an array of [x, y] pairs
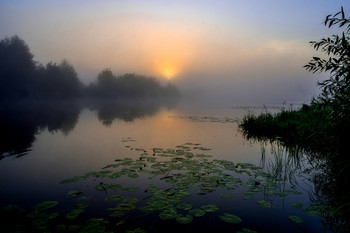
{"points": [[43, 144]]}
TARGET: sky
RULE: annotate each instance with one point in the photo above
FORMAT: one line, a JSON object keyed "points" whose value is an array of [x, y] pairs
{"points": [[229, 49]]}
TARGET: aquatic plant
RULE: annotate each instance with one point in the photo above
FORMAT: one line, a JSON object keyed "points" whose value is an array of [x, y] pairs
{"points": [[172, 179]]}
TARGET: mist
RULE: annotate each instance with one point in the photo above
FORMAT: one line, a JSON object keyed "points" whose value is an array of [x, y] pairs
{"points": [[232, 52]]}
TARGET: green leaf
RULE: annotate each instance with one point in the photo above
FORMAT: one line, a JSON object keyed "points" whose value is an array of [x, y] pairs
{"points": [[184, 219], [167, 214], [184, 206], [298, 205], [210, 208], [295, 219], [246, 230], [45, 205], [71, 194], [115, 197], [264, 204], [197, 212], [230, 218]]}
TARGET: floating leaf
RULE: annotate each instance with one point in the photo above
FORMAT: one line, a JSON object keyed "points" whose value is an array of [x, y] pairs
{"points": [[71, 194], [264, 204], [137, 230], [168, 214], [197, 212], [133, 174], [210, 208], [230, 218], [295, 219], [184, 206], [45, 205], [227, 196], [70, 180], [203, 156], [131, 189], [120, 223], [246, 230], [78, 209], [184, 219], [201, 148], [132, 200], [115, 197], [298, 205]]}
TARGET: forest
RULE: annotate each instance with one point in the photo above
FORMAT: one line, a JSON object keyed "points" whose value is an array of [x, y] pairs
{"points": [[21, 77]]}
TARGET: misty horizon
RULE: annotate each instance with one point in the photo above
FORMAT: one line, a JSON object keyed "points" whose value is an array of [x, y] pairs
{"points": [[231, 51]]}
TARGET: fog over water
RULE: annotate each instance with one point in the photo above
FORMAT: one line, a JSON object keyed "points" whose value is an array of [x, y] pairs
{"points": [[239, 52]]}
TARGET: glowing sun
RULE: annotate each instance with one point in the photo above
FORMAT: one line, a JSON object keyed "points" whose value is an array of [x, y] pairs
{"points": [[167, 69]]}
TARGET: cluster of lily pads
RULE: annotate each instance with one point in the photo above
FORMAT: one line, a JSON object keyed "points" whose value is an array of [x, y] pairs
{"points": [[170, 178], [181, 169]]}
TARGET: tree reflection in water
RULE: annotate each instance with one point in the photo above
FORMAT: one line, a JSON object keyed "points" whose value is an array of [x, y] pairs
{"points": [[21, 121]]}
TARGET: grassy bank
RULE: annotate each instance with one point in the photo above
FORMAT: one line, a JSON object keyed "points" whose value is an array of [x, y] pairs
{"points": [[321, 133], [312, 128]]}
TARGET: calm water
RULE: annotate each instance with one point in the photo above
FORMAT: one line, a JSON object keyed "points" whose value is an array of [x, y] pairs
{"points": [[200, 158]]}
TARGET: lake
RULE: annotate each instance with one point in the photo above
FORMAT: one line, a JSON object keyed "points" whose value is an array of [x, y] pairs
{"points": [[148, 166]]}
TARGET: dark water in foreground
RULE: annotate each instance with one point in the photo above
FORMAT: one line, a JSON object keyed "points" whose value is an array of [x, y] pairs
{"points": [[150, 167]]}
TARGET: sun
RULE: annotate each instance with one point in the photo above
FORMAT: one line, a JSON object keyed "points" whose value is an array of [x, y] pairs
{"points": [[167, 69]]}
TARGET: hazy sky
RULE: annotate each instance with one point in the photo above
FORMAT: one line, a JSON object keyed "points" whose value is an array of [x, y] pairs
{"points": [[251, 49]]}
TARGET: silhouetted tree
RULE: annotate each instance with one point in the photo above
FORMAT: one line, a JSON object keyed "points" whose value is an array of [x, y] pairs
{"points": [[17, 68], [129, 85], [58, 81], [21, 77]]}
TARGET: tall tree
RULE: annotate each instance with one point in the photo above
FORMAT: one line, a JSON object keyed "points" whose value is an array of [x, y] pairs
{"points": [[59, 81], [17, 68]]}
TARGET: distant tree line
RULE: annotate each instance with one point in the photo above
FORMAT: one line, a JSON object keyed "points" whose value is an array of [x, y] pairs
{"points": [[22, 77], [109, 85]]}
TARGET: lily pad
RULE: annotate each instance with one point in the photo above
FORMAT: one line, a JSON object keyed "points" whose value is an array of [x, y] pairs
{"points": [[184, 219], [184, 206], [197, 212], [264, 204], [137, 230], [45, 205], [227, 196], [70, 180], [115, 197], [72, 194], [246, 230], [201, 148], [210, 208], [168, 214], [131, 189], [298, 205], [78, 209], [295, 219], [230, 218]]}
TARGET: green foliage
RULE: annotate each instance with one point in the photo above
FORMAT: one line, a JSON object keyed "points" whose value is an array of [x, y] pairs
{"points": [[309, 127], [295, 219], [230, 218], [336, 89]]}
